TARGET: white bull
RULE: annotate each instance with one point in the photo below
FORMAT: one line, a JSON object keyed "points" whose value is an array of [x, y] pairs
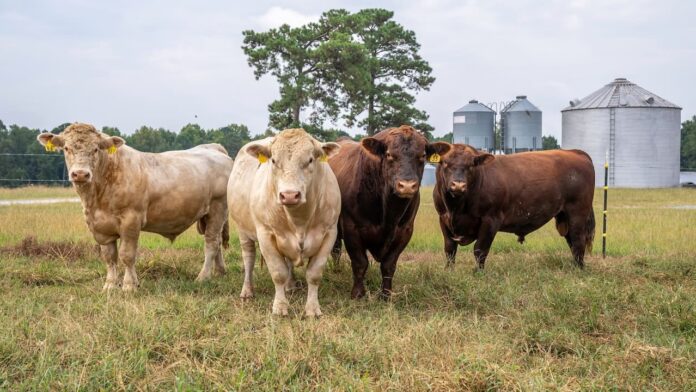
{"points": [[283, 195]]}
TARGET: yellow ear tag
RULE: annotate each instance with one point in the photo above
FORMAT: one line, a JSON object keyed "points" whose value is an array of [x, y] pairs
{"points": [[262, 158], [111, 149], [435, 158], [324, 158], [49, 146]]}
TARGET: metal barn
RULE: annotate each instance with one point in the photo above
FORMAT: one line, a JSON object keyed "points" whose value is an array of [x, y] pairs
{"points": [[474, 124], [520, 123], [637, 130]]}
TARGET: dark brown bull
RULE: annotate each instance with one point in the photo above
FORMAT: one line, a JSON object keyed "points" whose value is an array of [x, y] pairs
{"points": [[379, 180], [478, 195]]}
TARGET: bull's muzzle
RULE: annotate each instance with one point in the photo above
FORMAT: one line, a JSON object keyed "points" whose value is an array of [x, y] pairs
{"points": [[457, 186], [290, 198], [80, 176], [406, 188]]}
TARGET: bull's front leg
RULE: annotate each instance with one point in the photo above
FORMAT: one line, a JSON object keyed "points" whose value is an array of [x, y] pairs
{"points": [[450, 244], [315, 270], [109, 254], [278, 269], [127, 250], [486, 235], [387, 263]]}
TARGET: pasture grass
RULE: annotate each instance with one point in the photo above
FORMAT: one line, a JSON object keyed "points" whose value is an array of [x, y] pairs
{"points": [[36, 192], [530, 321]]}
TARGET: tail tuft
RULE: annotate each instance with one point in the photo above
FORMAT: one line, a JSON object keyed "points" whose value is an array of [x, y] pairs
{"points": [[226, 235], [590, 231]]}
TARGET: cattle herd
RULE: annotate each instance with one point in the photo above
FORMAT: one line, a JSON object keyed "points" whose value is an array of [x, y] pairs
{"points": [[302, 200]]}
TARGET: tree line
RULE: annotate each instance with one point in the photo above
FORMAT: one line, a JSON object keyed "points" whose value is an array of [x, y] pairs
{"points": [[22, 157]]}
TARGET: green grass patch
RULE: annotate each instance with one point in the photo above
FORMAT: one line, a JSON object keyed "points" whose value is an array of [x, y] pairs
{"points": [[531, 321]]}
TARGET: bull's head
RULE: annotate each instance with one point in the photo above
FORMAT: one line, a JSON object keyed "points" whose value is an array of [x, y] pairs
{"points": [[403, 152], [294, 157], [458, 166], [85, 149]]}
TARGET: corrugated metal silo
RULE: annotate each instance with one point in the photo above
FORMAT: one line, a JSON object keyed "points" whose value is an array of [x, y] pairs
{"points": [[473, 124], [520, 123], [639, 131]]}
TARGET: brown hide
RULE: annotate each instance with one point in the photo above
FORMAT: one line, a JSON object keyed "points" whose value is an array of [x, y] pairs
{"points": [[476, 195], [379, 180]]}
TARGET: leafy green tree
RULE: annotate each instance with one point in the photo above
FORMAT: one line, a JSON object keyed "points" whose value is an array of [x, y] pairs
{"points": [[190, 135], [395, 71], [60, 128], [232, 137], [152, 140], [444, 138], [111, 131], [549, 143], [309, 63], [2, 126], [688, 144]]}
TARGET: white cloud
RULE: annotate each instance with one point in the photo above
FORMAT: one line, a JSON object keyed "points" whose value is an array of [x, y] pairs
{"points": [[277, 16]]}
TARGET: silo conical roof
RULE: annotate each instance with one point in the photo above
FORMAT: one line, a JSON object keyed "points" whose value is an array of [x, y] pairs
{"points": [[474, 106], [521, 104], [621, 93]]}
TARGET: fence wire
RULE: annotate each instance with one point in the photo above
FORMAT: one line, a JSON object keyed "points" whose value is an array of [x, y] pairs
{"points": [[21, 169]]}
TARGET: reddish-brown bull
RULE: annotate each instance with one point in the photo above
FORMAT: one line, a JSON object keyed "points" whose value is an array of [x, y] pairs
{"points": [[379, 180], [478, 195]]}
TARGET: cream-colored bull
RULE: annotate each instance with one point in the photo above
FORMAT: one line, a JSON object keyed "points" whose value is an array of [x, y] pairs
{"points": [[283, 195], [125, 191]]}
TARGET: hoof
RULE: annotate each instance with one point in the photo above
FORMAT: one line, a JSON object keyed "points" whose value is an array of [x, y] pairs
{"points": [[203, 277], [357, 292], [280, 309], [108, 286], [130, 287], [312, 311], [247, 293]]}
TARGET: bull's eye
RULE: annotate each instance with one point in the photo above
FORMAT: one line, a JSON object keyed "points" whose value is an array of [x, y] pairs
{"points": [[311, 159], [66, 148], [95, 150], [273, 161]]}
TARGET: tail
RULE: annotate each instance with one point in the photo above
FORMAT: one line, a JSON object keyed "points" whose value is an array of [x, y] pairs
{"points": [[590, 231], [336, 250], [226, 235], [202, 224]]}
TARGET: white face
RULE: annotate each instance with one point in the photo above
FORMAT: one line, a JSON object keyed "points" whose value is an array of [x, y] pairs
{"points": [[294, 159]]}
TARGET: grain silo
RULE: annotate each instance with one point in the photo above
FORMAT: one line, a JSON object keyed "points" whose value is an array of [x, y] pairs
{"points": [[473, 124], [637, 130], [520, 124]]}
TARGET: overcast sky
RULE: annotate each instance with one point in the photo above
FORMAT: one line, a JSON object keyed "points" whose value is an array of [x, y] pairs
{"points": [[161, 63]]}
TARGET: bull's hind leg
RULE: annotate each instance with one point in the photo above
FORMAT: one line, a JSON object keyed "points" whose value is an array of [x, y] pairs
{"points": [[576, 238], [109, 254], [214, 220], [249, 257]]}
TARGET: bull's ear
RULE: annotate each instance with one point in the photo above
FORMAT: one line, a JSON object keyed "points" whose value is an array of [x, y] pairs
{"points": [[111, 143], [258, 151], [439, 148], [330, 149], [50, 141], [374, 146], [483, 159]]}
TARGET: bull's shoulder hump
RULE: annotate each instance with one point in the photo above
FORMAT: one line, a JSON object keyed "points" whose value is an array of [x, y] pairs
{"points": [[212, 146]]}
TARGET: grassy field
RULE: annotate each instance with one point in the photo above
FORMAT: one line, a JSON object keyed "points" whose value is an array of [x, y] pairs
{"points": [[531, 321]]}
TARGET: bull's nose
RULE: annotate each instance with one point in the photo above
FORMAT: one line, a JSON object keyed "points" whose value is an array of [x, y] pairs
{"points": [[406, 188], [457, 186], [80, 175], [290, 198]]}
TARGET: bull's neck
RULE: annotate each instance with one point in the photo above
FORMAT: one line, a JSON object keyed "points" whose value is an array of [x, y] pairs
{"points": [[103, 177]]}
